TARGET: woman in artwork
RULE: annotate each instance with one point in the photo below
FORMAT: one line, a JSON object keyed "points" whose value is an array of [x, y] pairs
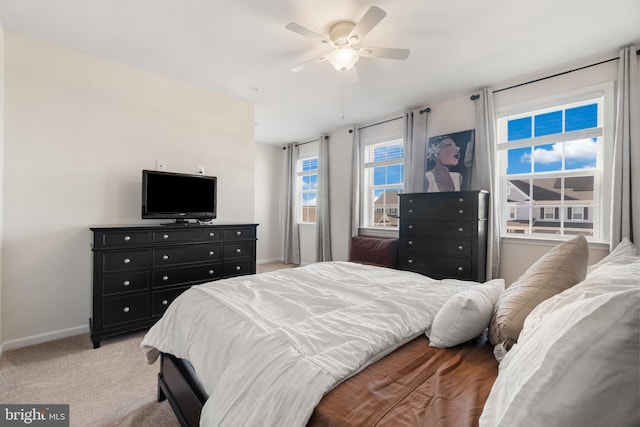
{"points": [[445, 153]]}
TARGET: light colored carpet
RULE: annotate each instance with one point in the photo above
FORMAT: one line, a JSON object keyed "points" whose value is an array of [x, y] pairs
{"points": [[108, 386]]}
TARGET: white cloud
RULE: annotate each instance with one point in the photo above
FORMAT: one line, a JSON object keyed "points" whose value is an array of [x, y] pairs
{"points": [[578, 150]]}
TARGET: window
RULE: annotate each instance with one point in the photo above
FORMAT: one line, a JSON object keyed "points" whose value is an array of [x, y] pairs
{"points": [[382, 168], [307, 186], [383, 180], [551, 162]]}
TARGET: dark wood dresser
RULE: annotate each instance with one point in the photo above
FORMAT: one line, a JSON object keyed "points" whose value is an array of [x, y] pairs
{"points": [[444, 235], [139, 270]]}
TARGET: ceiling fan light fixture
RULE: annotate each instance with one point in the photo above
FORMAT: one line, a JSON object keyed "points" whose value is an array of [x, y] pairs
{"points": [[344, 58]]}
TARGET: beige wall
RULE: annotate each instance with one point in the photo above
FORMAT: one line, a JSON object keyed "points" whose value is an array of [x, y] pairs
{"points": [[269, 209], [453, 115], [78, 132], [1, 167]]}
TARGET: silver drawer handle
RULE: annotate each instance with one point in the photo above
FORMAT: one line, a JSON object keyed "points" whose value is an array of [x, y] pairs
{"points": [[165, 236], [410, 226], [238, 233], [461, 211], [165, 257], [238, 250], [212, 234], [460, 229], [460, 247], [237, 268], [461, 200], [460, 268], [410, 261], [410, 210], [127, 260], [410, 200], [165, 278], [126, 283], [165, 302], [410, 242], [127, 238], [211, 253], [126, 309], [210, 272]]}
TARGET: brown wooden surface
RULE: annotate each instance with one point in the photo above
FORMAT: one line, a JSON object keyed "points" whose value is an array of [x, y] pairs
{"points": [[416, 385]]}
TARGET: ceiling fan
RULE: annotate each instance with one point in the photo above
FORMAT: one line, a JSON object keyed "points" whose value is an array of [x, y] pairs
{"points": [[344, 38]]}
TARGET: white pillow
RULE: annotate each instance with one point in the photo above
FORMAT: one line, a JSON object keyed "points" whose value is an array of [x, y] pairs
{"points": [[576, 361], [465, 315], [625, 253]]}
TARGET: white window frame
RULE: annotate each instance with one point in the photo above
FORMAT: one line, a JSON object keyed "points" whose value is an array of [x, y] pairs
{"points": [[602, 172], [369, 188], [390, 131], [307, 152]]}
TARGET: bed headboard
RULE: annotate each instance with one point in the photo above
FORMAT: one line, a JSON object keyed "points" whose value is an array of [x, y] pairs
{"points": [[374, 251]]}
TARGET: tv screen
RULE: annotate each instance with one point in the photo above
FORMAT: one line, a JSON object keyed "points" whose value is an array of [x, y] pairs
{"points": [[167, 195]]}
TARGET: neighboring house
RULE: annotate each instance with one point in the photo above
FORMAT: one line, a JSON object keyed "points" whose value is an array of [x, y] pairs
{"points": [[386, 209], [540, 205]]}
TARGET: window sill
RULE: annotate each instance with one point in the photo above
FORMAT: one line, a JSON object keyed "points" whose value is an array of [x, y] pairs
{"points": [[549, 241], [378, 232]]}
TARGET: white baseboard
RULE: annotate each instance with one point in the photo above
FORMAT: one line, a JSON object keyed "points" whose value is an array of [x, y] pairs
{"points": [[40, 338]]}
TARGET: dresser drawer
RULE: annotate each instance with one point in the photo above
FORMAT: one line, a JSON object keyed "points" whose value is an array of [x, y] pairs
{"points": [[238, 268], [186, 275], [186, 254], [449, 205], [124, 282], [191, 235], [436, 266], [419, 227], [240, 249], [239, 233], [160, 300], [123, 239], [125, 309], [125, 260], [439, 246]]}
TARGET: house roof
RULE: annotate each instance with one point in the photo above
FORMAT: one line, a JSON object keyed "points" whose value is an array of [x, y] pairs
{"points": [[549, 189], [242, 48]]}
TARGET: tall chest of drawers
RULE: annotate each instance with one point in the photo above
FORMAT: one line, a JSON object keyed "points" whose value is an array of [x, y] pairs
{"points": [[138, 271], [444, 235]]}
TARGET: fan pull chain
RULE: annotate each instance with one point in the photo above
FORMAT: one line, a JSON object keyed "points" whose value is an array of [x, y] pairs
{"points": [[342, 80]]}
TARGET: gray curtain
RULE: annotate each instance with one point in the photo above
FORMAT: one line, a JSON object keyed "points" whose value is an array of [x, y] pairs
{"points": [[323, 218], [355, 183], [409, 148], [625, 200], [291, 236], [483, 175]]}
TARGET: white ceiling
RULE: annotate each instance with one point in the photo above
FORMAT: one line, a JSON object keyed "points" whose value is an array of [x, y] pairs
{"points": [[241, 47]]}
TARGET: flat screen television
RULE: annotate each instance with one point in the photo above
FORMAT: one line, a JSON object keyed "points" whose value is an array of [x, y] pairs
{"points": [[179, 196]]}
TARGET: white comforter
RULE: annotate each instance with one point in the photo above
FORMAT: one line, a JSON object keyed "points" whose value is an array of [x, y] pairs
{"points": [[268, 347]]}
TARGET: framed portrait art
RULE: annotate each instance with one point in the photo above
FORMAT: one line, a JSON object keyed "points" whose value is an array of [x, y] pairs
{"points": [[448, 162]]}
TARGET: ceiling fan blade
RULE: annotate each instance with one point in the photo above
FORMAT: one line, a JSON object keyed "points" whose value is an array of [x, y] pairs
{"points": [[305, 32], [384, 52], [300, 67], [370, 19]]}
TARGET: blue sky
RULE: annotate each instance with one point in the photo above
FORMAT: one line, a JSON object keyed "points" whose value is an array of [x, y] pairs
{"points": [[578, 154]]}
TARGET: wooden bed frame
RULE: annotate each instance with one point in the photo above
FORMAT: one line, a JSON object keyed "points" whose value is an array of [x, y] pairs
{"points": [[177, 383]]}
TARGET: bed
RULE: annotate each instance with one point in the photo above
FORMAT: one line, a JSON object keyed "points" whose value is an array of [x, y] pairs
{"points": [[343, 343]]}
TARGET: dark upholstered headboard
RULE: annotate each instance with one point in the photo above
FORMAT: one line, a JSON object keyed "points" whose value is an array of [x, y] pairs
{"points": [[374, 251]]}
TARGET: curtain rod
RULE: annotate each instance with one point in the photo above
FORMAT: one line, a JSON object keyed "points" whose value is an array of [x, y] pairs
{"points": [[559, 74], [306, 142], [379, 123]]}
